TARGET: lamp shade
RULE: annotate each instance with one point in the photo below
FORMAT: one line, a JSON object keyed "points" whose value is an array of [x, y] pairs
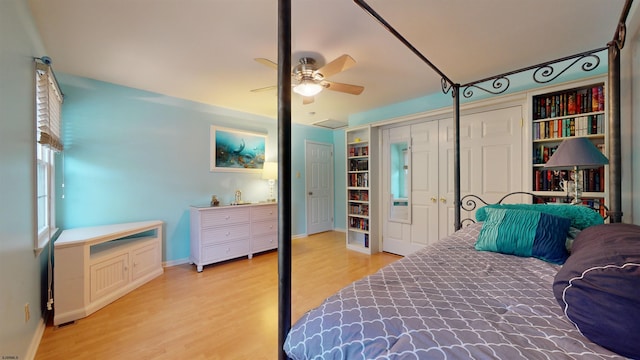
{"points": [[307, 88], [270, 170], [576, 152]]}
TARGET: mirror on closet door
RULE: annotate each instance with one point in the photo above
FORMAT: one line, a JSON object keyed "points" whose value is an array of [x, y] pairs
{"points": [[400, 181]]}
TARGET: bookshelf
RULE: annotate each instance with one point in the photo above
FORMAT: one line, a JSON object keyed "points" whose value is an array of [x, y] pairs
{"points": [[362, 221], [557, 115]]}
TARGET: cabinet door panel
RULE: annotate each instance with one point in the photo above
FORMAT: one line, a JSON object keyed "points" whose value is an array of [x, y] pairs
{"points": [[109, 275], [145, 260]]}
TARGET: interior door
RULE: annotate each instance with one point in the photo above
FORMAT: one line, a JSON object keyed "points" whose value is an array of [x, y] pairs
{"points": [[424, 194], [490, 159], [405, 238], [319, 178], [490, 167]]}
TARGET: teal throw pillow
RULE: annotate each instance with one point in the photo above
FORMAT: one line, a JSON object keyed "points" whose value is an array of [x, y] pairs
{"points": [[525, 233], [581, 216]]}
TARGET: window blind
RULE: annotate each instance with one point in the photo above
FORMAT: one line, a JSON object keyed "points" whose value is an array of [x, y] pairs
{"points": [[48, 108]]}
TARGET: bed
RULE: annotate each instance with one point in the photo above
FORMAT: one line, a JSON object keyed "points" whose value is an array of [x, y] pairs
{"points": [[430, 306], [453, 301]]}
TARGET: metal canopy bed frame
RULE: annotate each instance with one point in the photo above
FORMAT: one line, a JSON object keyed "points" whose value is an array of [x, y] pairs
{"points": [[543, 73]]}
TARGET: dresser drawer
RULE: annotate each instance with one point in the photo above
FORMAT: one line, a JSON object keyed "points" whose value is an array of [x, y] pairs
{"points": [[220, 252], [225, 234], [226, 216], [264, 242], [264, 212], [264, 227]]}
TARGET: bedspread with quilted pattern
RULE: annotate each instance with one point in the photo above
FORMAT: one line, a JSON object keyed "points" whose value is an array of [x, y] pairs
{"points": [[447, 301]]}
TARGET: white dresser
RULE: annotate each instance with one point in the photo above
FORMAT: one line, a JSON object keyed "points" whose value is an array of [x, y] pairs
{"points": [[226, 232], [96, 265]]}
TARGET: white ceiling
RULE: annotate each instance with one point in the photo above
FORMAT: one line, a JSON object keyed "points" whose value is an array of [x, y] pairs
{"points": [[204, 50]]}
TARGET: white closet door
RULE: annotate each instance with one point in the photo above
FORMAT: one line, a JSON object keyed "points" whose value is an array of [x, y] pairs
{"points": [[490, 167], [402, 238], [490, 159], [468, 169], [424, 183], [396, 236]]}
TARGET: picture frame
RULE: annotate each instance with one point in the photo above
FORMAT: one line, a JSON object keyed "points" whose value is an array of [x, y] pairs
{"points": [[236, 150]]}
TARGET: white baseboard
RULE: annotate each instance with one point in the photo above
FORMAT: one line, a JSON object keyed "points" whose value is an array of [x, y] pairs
{"points": [[176, 262], [37, 337]]}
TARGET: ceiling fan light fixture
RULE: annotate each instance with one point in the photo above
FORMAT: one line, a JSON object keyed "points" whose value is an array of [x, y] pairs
{"points": [[307, 88]]}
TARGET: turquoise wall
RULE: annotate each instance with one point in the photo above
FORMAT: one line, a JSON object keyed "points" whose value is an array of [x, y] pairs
{"points": [[132, 155], [299, 134], [340, 182]]}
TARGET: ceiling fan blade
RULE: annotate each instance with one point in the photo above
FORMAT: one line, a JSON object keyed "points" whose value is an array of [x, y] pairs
{"points": [[267, 62], [345, 88], [306, 100], [340, 64], [264, 88]]}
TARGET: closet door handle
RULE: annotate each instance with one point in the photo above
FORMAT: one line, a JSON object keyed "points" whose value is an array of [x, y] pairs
{"points": [[433, 199], [443, 200]]}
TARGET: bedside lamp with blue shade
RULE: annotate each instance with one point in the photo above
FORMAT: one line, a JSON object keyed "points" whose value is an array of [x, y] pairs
{"points": [[576, 153], [270, 173]]}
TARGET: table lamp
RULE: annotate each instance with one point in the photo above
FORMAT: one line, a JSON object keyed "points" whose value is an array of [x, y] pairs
{"points": [[576, 153], [270, 173]]}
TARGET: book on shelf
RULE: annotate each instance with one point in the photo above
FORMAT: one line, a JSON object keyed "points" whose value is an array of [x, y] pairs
{"points": [[569, 102], [576, 126]]}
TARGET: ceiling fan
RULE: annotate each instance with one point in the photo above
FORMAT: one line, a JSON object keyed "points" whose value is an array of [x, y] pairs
{"points": [[311, 80]]}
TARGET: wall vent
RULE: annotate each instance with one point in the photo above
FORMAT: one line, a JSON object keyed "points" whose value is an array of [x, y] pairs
{"points": [[331, 124]]}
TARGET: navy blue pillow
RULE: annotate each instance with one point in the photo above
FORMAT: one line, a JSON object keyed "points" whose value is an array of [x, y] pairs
{"points": [[598, 287], [525, 233]]}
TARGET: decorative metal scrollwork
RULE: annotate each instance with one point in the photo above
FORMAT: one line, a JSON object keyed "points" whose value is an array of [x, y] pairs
{"points": [[499, 85], [470, 202], [621, 35], [446, 86], [546, 73]]}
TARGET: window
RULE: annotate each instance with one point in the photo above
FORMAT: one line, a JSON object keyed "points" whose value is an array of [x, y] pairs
{"points": [[48, 124]]}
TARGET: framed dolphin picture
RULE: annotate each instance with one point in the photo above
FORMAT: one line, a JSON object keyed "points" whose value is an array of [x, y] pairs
{"points": [[236, 150]]}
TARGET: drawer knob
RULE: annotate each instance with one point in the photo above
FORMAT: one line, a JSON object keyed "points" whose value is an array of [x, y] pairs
{"points": [[227, 217], [227, 234]]}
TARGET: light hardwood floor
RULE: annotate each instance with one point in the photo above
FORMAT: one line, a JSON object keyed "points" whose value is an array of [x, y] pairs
{"points": [[229, 311]]}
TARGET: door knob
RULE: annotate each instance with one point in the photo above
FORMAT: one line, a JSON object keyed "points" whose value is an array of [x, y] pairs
{"points": [[310, 192], [443, 200], [433, 199]]}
